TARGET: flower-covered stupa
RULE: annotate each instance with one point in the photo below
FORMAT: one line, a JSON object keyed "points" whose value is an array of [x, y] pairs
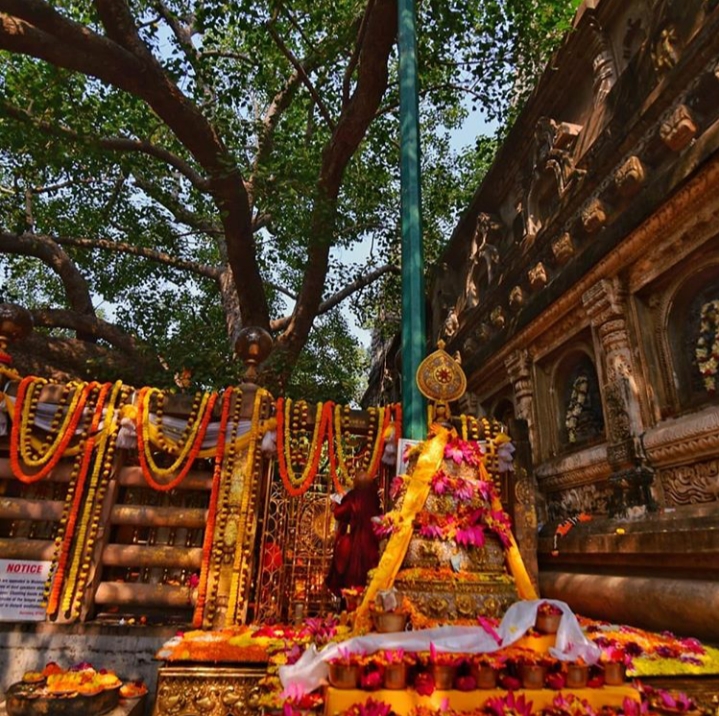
{"points": [[449, 547]]}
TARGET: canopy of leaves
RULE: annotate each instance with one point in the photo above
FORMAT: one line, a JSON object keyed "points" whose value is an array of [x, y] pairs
{"points": [[171, 170]]}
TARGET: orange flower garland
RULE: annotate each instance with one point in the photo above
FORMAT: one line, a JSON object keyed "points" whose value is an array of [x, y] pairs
{"points": [[189, 450], [294, 485], [20, 432], [89, 520], [78, 495], [212, 510]]}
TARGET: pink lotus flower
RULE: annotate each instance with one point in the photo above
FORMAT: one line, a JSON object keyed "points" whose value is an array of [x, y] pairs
{"points": [[441, 483], [488, 626], [509, 705], [470, 536]]}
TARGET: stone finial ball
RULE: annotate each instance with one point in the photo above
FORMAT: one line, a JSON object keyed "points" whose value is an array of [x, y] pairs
{"points": [[253, 345], [15, 321]]}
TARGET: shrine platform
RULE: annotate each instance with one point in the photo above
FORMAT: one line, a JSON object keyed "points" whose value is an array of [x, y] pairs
{"points": [[338, 701]]}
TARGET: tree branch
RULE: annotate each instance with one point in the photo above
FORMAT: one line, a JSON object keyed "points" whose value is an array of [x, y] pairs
{"points": [[159, 257], [89, 325], [352, 64], [120, 144], [46, 250], [357, 285], [304, 77]]}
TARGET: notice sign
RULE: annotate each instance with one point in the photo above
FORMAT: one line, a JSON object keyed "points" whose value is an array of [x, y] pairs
{"points": [[21, 590]]}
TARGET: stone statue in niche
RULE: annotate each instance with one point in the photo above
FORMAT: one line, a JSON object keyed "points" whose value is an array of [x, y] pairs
{"points": [[666, 48], [583, 418], [450, 325], [483, 257]]}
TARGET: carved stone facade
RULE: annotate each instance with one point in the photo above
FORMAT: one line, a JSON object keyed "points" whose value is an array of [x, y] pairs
{"points": [[599, 258]]}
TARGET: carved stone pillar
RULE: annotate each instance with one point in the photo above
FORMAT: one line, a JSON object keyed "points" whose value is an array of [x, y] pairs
{"points": [[525, 494], [518, 366], [605, 306]]}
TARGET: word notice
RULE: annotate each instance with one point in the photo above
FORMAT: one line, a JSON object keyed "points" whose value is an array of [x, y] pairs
{"points": [[21, 590]]}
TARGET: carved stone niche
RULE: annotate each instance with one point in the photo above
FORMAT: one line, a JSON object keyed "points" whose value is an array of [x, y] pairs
{"points": [[678, 129], [563, 248], [629, 177]]}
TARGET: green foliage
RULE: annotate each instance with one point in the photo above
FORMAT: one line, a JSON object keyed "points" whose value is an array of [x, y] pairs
{"points": [[60, 175]]}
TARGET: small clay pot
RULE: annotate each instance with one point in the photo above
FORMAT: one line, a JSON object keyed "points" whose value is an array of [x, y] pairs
{"points": [[533, 675], [344, 676], [386, 622], [443, 676], [485, 676], [577, 676], [395, 676], [615, 673], [547, 623]]}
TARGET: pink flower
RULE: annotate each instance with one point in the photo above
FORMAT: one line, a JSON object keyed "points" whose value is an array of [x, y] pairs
{"points": [[453, 451], [488, 626], [395, 488], [424, 684], [441, 483], [467, 536]]}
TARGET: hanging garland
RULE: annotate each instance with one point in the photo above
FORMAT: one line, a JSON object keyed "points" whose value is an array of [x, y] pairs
{"points": [[189, 447], [75, 495], [240, 563], [97, 486], [23, 419], [295, 485], [212, 507], [340, 465]]}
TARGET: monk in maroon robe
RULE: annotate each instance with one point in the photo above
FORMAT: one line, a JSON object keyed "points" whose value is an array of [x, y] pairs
{"points": [[356, 549]]}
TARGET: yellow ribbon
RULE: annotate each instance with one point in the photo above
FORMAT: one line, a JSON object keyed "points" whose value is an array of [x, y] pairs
{"points": [[429, 461]]}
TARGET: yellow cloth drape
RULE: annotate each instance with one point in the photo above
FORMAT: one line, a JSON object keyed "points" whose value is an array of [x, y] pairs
{"points": [[429, 461], [525, 588]]}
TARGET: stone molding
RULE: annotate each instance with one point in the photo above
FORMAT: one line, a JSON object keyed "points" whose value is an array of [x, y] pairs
{"points": [[681, 440], [582, 468]]}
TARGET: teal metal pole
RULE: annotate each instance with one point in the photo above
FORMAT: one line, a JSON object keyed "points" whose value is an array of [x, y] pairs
{"points": [[413, 310]]}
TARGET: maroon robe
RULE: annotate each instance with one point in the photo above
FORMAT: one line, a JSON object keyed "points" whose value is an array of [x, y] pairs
{"points": [[356, 549]]}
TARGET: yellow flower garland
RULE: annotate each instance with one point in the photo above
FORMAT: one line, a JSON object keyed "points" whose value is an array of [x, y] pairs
{"points": [[311, 464], [168, 472], [418, 487]]}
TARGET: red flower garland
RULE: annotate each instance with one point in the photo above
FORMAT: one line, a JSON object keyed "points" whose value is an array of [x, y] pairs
{"points": [[314, 451], [212, 511], [197, 445], [78, 496], [62, 445]]}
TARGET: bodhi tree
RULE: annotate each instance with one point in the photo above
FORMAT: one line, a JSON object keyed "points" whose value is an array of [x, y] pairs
{"points": [[174, 170]]}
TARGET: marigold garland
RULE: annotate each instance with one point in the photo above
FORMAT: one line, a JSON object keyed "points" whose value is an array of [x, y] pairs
{"points": [[189, 450], [65, 542], [297, 486], [87, 531], [20, 431], [247, 475], [212, 509]]}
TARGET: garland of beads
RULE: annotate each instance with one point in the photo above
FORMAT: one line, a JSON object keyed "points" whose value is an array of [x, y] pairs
{"points": [[222, 512], [375, 438], [24, 416], [212, 507], [297, 486], [196, 429], [75, 494], [249, 480], [90, 519]]}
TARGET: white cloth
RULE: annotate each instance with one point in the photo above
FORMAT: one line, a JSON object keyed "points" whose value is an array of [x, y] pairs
{"points": [[311, 669]]}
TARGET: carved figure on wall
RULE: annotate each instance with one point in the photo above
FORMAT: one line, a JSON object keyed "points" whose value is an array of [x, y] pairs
{"points": [[583, 418], [666, 49], [483, 256], [450, 325], [707, 345], [554, 169]]}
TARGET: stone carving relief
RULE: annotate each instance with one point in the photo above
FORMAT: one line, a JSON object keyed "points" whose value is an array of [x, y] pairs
{"points": [[593, 499], [678, 129], [693, 484], [553, 159], [629, 177], [516, 298], [616, 399], [666, 48], [483, 257], [538, 277], [497, 317], [563, 248], [594, 216]]}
